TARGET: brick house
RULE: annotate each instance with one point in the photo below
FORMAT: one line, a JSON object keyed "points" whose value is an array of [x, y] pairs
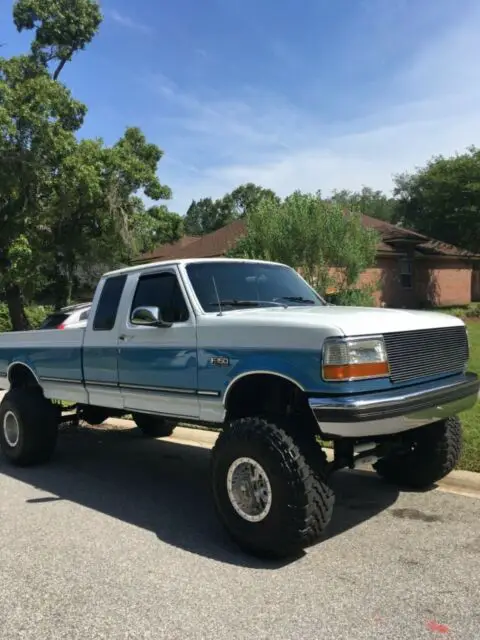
{"points": [[411, 270]]}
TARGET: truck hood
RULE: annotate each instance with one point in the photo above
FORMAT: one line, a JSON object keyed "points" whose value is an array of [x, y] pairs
{"points": [[349, 321]]}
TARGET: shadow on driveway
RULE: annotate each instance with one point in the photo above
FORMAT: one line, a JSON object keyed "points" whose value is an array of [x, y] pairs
{"points": [[164, 488]]}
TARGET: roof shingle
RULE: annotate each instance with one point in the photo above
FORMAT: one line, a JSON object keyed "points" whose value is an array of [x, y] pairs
{"points": [[166, 251]]}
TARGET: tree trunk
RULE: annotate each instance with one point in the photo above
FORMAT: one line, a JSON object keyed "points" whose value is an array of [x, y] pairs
{"points": [[16, 308], [60, 66], [63, 291], [63, 284]]}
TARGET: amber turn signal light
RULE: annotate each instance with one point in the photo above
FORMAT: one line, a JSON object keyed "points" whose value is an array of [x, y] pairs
{"points": [[352, 371]]}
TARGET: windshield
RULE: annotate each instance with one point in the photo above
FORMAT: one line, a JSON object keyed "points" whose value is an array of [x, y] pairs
{"points": [[248, 284]]}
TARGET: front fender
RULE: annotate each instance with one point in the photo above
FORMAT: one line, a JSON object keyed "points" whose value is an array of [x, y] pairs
{"points": [[302, 369]]}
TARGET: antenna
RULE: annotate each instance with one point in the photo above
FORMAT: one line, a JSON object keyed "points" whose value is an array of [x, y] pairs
{"points": [[220, 313]]}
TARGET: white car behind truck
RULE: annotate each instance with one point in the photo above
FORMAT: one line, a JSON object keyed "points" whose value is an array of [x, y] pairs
{"points": [[72, 317], [250, 346]]}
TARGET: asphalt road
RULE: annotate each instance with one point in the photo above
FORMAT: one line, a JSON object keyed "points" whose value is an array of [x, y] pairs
{"points": [[117, 539]]}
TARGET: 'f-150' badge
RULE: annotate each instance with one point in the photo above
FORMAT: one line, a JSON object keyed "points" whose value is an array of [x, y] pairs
{"points": [[219, 361]]}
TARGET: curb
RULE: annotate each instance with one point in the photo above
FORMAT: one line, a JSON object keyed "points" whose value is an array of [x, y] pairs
{"points": [[465, 483]]}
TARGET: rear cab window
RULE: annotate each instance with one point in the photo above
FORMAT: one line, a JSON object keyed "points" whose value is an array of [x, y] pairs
{"points": [[107, 308]]}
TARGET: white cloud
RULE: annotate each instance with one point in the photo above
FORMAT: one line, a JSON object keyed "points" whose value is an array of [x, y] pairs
{"points": [[129, 23], [429, 107]]}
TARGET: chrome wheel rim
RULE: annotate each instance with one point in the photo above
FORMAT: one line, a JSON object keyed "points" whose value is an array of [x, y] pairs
{"points": [[11, 429], [249, 489]]}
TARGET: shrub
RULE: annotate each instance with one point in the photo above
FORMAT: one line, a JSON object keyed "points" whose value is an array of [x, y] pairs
{"points": [[5, 324], [358, 297], [468, 311], [35, 313], [473, 311]]}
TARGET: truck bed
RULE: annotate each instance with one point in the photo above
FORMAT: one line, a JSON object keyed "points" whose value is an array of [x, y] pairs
{"points": [[54, 357]]}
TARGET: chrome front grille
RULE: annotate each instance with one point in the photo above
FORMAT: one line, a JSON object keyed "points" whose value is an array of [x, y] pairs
{"points": [[426, 352]]}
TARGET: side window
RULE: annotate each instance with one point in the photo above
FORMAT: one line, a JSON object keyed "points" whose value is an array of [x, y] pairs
{"points": [[84, 315], [161, 290], [107, 308]]}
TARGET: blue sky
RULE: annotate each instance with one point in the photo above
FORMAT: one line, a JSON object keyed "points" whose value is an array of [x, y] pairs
{"points": [[317, 94]]}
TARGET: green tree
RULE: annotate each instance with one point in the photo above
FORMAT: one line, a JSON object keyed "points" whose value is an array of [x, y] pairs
{"points": [[62, 28], [64, 204], [94, 190], [368, 202], [160, 226], [38, 118], [247, 197], [207, 215], [202, 217], [442, 199], [307, 233]]}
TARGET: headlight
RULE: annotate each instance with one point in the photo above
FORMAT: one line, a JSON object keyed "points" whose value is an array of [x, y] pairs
{"points": [[354, 359]]}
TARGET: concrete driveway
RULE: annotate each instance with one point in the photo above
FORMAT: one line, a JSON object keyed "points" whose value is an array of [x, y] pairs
{"points": [[117, 539]]}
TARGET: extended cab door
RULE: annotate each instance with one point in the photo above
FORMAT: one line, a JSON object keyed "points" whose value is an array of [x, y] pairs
{"points": [[100, 355], [157, 366]]}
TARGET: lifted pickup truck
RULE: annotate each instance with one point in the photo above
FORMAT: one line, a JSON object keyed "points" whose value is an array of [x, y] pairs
{"points": [[250, 346]]}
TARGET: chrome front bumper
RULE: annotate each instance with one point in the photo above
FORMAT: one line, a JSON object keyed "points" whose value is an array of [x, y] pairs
{"points": [[385, 413]]}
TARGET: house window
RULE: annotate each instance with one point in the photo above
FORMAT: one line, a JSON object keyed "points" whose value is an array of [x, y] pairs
{"points": [[406, 271]]}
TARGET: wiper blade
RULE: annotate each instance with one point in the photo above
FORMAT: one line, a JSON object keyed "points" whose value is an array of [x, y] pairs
{"points": [[235, 303], [246, 303], [298, 299]]}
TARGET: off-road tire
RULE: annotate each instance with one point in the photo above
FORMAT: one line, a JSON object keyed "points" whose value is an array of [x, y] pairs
{"points": [[38, 427], [434, 452], [302, 502], [153, 426]]}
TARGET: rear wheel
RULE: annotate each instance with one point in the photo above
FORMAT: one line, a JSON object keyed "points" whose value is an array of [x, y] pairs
{"points": [[429, 454], [153, 426], [28, 427], [270, 500]]}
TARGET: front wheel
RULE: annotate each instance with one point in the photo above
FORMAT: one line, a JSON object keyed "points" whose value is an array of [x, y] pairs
{"points": [[270, 500], [428, 455], [153, 426], [28, 427]]}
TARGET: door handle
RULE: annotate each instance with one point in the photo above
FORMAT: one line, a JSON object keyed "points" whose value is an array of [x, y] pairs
{"points": [[123, 338]]}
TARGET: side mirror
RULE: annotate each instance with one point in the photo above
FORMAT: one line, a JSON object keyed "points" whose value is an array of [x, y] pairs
{"points": [[148, 317]]}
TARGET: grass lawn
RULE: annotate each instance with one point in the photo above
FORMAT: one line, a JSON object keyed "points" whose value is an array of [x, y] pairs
{"points": [[471, 419]]}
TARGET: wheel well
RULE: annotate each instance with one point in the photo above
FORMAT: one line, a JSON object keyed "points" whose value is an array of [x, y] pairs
{"points": [[263, 395], [21, 376]]}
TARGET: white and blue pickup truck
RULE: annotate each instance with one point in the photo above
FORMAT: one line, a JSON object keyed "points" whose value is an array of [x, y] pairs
{"points": [[250, 346]]}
